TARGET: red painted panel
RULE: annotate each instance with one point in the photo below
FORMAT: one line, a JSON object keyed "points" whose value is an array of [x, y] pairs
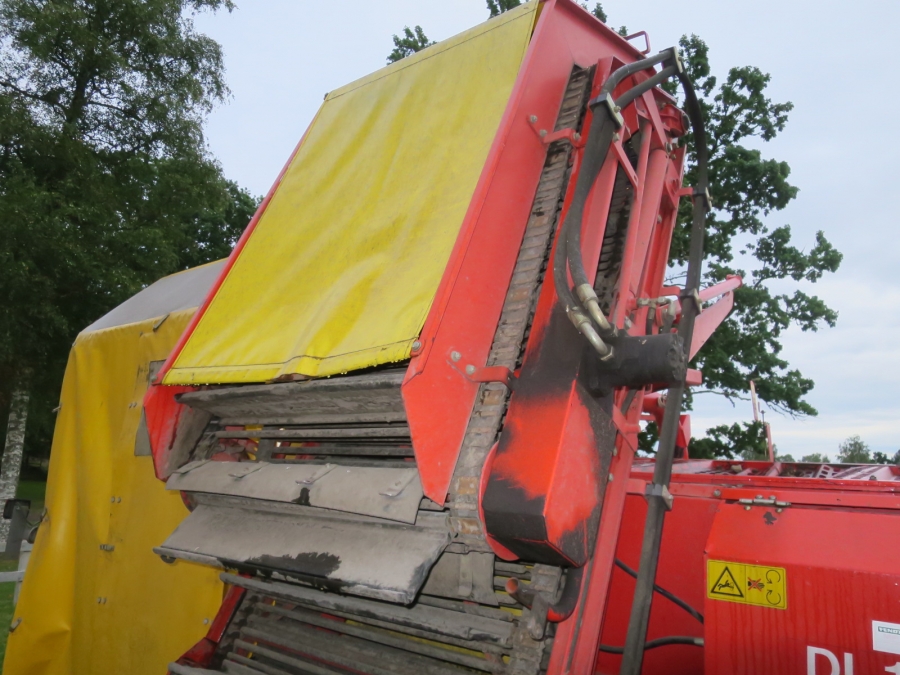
{"points": [[680, 572], [842, 574], [463, 318]]}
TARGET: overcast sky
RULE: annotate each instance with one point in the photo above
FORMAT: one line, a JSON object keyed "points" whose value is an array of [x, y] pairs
{"points": [[834, 61]]}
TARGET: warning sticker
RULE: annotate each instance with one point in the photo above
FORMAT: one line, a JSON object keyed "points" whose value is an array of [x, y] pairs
{"points": [[746, 584]]}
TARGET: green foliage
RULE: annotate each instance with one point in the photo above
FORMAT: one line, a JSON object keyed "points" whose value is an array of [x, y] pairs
{"points": [[497, 7], [814, 458], [745, 187], [854, 451], [412, 41], [746, 440], [105, 181], [597, 11]]}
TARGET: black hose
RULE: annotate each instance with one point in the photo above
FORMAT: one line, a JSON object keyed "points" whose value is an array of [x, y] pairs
{"points": [[633, 655], [645, 86], [663, 592], [603, 127], [659, 642]]}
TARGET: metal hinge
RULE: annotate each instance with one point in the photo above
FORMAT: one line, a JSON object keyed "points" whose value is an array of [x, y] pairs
{"points": [[759, 500]]}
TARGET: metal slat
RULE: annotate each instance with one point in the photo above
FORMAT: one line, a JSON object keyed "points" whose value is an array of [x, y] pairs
{"points": [[381, 492], [345, 650], [377, 560], [436, 620], [384, 637]]}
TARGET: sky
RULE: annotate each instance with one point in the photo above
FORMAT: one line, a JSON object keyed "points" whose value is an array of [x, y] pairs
{"points": [[833, 61]]}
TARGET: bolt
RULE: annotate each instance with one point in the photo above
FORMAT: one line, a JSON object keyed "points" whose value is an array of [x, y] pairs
{"points": [[759, 496], [416, 346], [112, 500], [746, 508], [576, 137], [771, 496], [455, 356], [532, 119], [616, 137], [118, 500], [617, 109], [611, 478], [717, 493], [658, 219], [668, 147], [778, 510], [470, 370], [542, 133], [205, 621]]}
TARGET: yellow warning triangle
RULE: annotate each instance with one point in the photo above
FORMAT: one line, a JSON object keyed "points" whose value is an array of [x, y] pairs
{"points": [[726, 585]]}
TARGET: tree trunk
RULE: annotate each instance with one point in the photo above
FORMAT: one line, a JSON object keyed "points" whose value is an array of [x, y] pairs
{"points": [[11, 464]]}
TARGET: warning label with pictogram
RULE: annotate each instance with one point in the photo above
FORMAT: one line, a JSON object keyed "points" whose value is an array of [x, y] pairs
{"points": [[747, 584]]}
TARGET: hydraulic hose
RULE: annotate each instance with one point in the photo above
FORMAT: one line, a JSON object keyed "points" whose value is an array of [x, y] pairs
{"points": [[659, 642], [663, 592], [658, 495], [585, 311]]}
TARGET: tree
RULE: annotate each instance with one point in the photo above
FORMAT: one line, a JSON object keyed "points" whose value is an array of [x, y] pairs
{"points": [[412, 41], [497, 7], [814, 458], [854, 451], [105, 180], [745, 187]]}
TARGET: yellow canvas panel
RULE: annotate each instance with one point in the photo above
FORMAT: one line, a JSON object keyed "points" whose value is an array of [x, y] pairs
{"points": [[343, 265], [84, 610]]}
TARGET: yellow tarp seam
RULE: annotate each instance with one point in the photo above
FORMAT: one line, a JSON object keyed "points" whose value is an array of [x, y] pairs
{"points": [[343, 265]]}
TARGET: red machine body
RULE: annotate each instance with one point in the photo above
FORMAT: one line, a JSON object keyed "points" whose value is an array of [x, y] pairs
{"points": [[559, 487], [834, 531]]}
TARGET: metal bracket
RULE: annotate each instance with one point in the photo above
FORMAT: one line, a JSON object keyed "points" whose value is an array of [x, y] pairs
{"points": [[500, 374], [759, 500], [615, 112], [627, 430], [573, 137], [317, 475], [245, 470], [399, 485], [660, 492]]}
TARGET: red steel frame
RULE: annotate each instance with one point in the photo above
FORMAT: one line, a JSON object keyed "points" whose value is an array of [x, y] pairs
{"points": [[437, 394], [839, 540]]}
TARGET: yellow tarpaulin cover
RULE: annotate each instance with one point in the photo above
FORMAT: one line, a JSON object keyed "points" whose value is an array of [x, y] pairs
{"points": [[84, 610], [343, 265]]}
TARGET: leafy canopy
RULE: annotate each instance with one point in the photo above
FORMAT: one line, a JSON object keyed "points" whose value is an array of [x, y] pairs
{"points": [[105, 180], [412, 41]]}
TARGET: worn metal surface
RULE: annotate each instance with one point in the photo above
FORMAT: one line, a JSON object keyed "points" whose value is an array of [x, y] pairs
{"points": [[468, 576], [438, 620], [385, 561], [390, 493], [374, 395]]}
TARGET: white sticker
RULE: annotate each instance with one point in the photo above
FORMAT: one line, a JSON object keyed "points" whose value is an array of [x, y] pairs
{"points": [[886, 637]]}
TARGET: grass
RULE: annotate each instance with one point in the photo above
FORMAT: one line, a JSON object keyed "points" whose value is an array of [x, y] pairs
{"points": [[33, 490]]}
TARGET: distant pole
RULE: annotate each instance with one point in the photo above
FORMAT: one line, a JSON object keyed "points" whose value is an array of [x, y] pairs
{"points": [[11, 464]]}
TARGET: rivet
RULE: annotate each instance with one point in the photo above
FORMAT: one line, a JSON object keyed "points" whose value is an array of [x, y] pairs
{"points": [[470, 370], [455, 356], [416, 346], [778, 510], [717, 493], [611, 478], [112, 500], [542, 133], [118, 500], [532, 118], [616, 137], [759, 496], [746, 508], [205, 621]]}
